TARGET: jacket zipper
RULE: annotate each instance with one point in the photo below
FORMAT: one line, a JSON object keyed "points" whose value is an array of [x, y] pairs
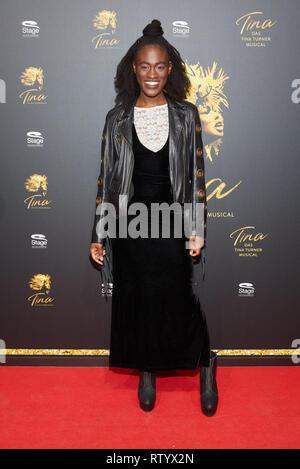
{"points": [[131, 169]]}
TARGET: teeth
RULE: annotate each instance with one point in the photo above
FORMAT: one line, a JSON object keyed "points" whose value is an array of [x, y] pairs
{"points": [[152, 82]]}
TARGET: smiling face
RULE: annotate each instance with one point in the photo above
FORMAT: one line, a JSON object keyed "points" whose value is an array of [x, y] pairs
{"points": [[152, 68]]}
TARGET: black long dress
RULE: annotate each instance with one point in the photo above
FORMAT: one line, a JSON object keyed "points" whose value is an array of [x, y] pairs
{"points": [[157, 322]]}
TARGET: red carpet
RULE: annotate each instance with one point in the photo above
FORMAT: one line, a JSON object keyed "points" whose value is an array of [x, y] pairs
{"points": [[60, 407]]}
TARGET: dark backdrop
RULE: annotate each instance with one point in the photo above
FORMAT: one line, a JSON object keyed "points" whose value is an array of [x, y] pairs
{"points": [[58, 61]]}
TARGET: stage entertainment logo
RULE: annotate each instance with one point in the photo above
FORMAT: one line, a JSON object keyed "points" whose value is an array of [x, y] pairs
{"points": [[30, 28], [180, 29], [41, 285], [33, 77], [246, 289], [106, 23], [37, 183], [38, 241], [34, 139], [248, 241], [255, 29]]}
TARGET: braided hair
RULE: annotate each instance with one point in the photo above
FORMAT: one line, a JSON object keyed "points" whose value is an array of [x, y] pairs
{"points": [[126, 85]]}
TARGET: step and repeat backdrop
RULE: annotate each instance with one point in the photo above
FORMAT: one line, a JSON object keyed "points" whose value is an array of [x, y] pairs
{"points": [[57, 69]]}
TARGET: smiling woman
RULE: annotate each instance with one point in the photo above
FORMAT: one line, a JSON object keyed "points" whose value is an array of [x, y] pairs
{"points": [[157, 320], [151, 74], [163, 65]]}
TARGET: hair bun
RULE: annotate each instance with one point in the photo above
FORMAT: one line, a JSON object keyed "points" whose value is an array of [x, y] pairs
{"points": [[153, 29]]}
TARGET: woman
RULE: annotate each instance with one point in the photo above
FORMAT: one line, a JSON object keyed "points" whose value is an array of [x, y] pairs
{"points": [[152, 154]]}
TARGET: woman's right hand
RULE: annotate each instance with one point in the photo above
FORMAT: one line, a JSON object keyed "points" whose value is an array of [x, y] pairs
{"points": [[97, 252]]}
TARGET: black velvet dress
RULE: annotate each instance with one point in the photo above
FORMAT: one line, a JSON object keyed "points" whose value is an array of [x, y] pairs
{"points": [[157, 322]]}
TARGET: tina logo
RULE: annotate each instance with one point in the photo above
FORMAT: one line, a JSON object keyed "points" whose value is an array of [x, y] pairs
{"points": [[38, 184], [33, 79], [106, 23], [248, 241], [255, 29], [41, 285], [208, 94]]}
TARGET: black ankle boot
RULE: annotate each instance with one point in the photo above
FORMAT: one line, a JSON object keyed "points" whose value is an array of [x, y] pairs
{"points": [[147, 390], [208, 386]]}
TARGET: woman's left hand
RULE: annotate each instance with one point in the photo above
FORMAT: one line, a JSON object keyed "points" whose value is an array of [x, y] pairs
{"points": [[196, 243]]}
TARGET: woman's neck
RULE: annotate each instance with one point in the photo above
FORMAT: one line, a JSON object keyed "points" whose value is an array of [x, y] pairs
{"points": [[145, 101]]}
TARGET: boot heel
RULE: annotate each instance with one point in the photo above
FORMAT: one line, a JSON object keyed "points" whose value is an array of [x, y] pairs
{"points": [[147, 390], [147, 407], [208, 387], [208, 412]]}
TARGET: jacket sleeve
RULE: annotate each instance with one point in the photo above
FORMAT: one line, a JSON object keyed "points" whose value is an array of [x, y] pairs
{"points": [[99, 213], [197, 177]]}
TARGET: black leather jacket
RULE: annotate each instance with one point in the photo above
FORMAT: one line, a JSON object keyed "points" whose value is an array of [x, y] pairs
{"points": [[186, 161]]}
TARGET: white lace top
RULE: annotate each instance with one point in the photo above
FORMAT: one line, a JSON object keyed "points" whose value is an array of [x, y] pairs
{"points": [[152, 125]]}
